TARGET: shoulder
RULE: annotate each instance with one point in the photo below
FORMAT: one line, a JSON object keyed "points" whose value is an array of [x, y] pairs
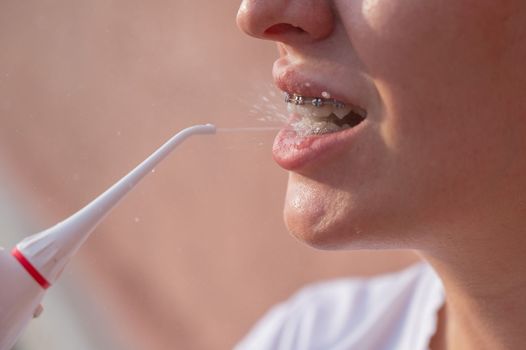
{"points": [[343, 313]]}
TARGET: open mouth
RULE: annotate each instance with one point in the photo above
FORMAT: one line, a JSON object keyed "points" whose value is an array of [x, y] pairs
{"points": [[320, 115]]}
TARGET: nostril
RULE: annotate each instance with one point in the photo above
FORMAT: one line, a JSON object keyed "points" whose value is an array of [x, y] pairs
{"points": [[283, 28]]}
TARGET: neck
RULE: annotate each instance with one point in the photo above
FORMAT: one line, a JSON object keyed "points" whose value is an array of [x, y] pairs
{"points": [[485, 283]]}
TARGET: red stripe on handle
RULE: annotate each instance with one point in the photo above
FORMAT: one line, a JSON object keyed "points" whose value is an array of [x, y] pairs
{"points": [[30, 268]]}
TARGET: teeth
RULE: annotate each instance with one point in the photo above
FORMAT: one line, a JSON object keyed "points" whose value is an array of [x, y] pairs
{"points": [[331, 127], [309, 111], [316, 114], [341, 112], [307, 127]]}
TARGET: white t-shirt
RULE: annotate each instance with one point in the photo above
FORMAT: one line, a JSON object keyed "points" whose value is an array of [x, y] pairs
{"points": [[389, 312]]}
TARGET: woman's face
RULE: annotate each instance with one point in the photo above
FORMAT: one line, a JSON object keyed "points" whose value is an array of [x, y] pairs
{"points": [[442, 85]]}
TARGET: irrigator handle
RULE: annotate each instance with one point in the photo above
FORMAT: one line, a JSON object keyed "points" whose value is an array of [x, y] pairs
{"points": [[20, 297], [37, 261]]}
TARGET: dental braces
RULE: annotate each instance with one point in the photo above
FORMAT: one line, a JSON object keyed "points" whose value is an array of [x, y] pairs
{"points": [[315, 101]]}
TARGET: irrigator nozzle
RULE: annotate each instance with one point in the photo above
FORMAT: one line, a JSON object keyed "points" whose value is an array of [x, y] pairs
{"points": [[45, 254]]}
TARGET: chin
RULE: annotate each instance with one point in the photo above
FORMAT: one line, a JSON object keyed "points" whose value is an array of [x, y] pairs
{"points": [[320, 216], [329, 231], [334, 218], [315, 234]]}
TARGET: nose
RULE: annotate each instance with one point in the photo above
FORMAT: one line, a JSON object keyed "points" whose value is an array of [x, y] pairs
{"points": [[287, 21]]}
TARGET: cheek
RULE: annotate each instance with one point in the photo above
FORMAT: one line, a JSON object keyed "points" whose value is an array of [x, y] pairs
{"points": [[434, 63], [430, 41]]}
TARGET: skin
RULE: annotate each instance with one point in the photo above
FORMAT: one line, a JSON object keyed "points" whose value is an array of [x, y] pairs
{"points": [[438, 168]]}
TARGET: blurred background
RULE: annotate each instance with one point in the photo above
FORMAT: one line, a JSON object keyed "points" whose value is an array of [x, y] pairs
{"points": [[198, 251]]}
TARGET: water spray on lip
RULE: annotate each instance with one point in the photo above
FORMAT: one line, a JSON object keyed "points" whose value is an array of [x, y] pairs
{"points": [[37, 261]]}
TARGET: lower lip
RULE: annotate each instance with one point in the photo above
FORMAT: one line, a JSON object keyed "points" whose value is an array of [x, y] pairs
{"points": [[292, 151]]}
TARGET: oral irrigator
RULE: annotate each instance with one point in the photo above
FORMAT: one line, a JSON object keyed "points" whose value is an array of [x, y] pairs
{"points": [[36, 262]]}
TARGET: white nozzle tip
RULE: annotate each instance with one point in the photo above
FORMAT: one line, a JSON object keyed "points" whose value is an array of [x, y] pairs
{"points": [[208, 128]]}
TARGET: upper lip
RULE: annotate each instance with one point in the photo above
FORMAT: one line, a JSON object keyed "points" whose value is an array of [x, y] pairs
{"points": [[313, 83]]}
